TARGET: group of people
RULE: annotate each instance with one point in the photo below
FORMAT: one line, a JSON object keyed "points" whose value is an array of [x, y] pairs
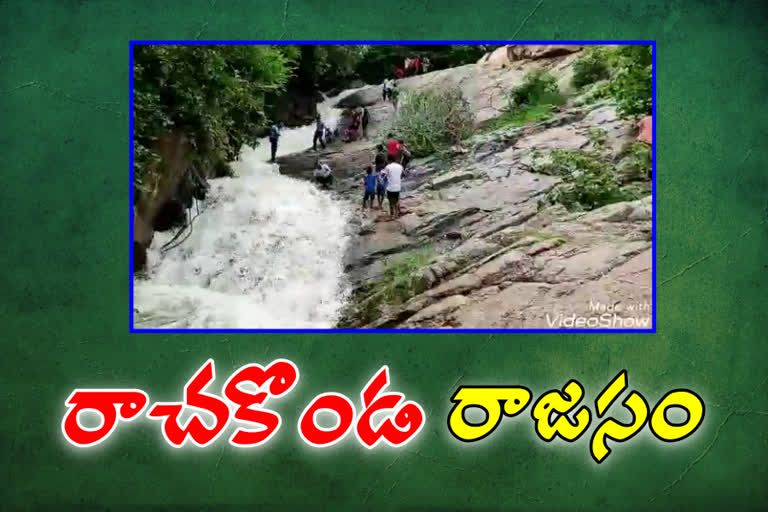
{"points": [[389, 91], [358, 124], [385, 176], [413, 66], [323, 134]]}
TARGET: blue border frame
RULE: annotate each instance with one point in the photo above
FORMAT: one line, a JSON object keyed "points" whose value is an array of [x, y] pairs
{"points": [[442, 331]]}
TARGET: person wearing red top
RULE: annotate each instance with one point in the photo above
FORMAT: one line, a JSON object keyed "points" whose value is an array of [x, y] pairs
{"points": [[399, 73], [393, 145], [645, 130], [416, 66]]}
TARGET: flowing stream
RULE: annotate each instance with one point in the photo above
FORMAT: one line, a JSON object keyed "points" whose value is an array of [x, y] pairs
{"points": [[265, 252]]}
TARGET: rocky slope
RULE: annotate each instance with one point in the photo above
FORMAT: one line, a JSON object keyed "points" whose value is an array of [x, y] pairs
{"points": [[489, 256]]}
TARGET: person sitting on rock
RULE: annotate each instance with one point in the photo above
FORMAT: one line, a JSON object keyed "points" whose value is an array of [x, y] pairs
{"points": [[323, 174], [399, 73], [319, 133]]}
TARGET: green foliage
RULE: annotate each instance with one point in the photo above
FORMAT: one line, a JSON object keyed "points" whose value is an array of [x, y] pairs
{"points": [[336, 64], [588, 180], [214, 95], [519, 117], [593, 65], [538, 88], [401, 280], [402, 277], [598, 137], [431, 120], [595, 92], [532, 101], [632, 84], [636, 164], [629, 74]]}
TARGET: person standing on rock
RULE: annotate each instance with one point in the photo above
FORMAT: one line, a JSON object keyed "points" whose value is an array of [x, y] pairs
{"points": [[394, 173], [327, 136], [380, 158], [416, 63], [369, 187], [365, 120], [354, 127], [394, 93], [393, 146], [381, 187], [319, 133], [386, 89], [404, 154], [274, 135], [380, 162], [425, 64]]}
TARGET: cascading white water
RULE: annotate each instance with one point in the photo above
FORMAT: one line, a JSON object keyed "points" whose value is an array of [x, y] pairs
{"points": [[265, 252]]}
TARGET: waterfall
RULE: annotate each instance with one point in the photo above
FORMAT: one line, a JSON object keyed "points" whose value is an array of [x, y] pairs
{"points": [[265, 252]]}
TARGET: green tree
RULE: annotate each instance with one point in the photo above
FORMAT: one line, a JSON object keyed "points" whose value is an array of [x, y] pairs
{"points": [[592, 66], [214, 95], [539, 87], [632, 84], [336, 64]]}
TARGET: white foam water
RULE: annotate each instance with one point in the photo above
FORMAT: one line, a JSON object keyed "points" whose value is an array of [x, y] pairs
{"points": [[266, 251]]}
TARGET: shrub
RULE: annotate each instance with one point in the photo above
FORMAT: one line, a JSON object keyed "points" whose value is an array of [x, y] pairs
{"points": [[632, 85], [588, 181], [591, 67], [629, 75], [530, 102], [520, 117], [402, 279], [538, 88], [598, 137], [636, 164], [433, 119]]}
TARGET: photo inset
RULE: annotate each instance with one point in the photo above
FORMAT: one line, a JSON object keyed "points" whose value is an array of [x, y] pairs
{"points": [[367, 186]]}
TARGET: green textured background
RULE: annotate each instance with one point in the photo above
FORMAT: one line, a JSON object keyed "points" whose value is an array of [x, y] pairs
{"points": [[65, 277]]}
